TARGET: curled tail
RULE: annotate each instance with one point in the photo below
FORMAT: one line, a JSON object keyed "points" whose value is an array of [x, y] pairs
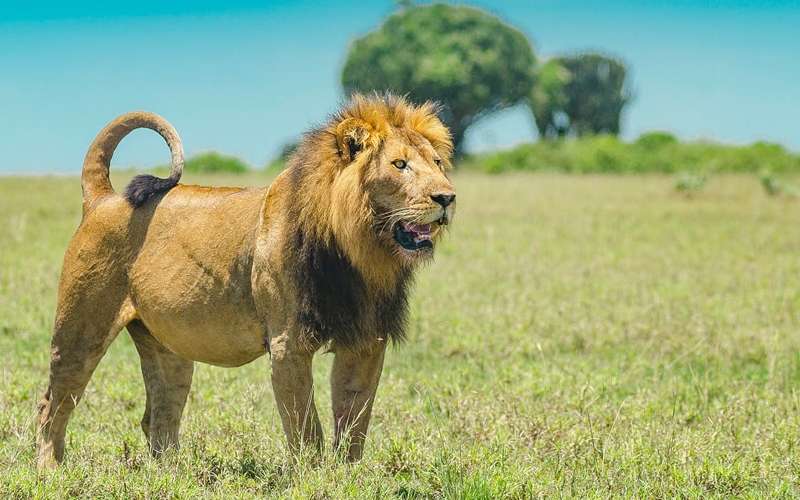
{"points": [[94, 179]]}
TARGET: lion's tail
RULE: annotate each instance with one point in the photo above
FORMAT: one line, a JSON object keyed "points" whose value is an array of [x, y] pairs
{"points": [[94, 179]]}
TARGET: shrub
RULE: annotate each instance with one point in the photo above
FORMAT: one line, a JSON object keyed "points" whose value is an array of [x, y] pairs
{"points": [[656, 140], [603, 154], [213, 162], [652, 152], [776, 187], [690, 183], [770, 184]]}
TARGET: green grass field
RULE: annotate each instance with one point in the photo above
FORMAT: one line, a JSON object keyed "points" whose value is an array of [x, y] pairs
{"points": [[589, 336]]}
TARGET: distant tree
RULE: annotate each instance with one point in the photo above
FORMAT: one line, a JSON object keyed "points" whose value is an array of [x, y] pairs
{"points": [[466, 59], [548, 100], [288, 149], [596, 93], [582, 94]]}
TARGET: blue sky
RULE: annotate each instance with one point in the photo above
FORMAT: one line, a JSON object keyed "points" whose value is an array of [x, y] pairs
{"points": [[244, 78]]}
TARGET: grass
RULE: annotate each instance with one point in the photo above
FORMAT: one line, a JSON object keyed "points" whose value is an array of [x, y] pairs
{"points": [[588, 336]]}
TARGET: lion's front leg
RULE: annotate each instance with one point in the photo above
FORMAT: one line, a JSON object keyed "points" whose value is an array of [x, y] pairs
{"points": [[293, 385], [354, 382]]}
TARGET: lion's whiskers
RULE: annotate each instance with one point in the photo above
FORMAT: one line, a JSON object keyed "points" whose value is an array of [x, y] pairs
{"points": [[413, 214], [392, 217]]}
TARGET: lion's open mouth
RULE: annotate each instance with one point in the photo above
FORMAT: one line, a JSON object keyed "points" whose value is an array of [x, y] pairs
{"points": [[413, 236]]}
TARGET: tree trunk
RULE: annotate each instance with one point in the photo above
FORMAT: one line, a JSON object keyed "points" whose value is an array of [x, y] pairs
{"points": [[458, 142]]}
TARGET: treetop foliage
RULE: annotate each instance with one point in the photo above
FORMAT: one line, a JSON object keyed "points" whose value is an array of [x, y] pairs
{"points": [[468, 60], [582, 94]]}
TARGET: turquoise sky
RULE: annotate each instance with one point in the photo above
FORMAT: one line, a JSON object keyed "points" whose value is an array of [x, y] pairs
{"points": [[245, 77]]}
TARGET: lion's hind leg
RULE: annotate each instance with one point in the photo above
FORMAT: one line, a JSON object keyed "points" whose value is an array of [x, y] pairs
{"points": [[167, 381], [83, 331]]}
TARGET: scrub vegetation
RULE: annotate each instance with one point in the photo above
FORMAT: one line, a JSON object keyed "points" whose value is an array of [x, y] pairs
{"points": [[652, 152]]}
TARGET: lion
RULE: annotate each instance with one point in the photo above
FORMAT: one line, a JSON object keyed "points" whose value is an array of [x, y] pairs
{"points": [[323, 257]]}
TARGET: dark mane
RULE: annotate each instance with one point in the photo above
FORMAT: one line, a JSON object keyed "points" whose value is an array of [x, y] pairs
{"points": [[335, 303]]}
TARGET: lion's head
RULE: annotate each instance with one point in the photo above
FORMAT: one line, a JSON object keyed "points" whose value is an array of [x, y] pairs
{"points": [[374, 180]]}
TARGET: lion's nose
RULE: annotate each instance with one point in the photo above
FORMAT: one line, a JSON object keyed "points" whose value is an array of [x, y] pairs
{"points": [[444, 199]]}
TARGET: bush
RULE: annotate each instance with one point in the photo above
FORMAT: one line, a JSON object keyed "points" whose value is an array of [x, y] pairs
{"points": [[213, 162], [656, 140], [690, 183], [776, 187], [652, 152]]}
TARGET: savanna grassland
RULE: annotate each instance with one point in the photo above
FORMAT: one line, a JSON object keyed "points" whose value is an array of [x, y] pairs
{"points": [[578, 336]]}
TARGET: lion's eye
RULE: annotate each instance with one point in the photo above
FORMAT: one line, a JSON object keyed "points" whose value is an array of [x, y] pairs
{"points": [[438, 162], [400, 164]]}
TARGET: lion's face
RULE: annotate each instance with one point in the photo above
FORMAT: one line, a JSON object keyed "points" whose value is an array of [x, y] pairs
{"points": [[373, 180], [410, 194]]}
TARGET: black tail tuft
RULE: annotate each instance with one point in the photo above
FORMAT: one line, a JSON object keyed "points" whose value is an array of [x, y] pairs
{"points": [[143, 187]]}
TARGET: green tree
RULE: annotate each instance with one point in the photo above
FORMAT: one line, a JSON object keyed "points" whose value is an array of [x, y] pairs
{"points": [[469, 61], [582, 94], [597, 93], [548, 100]]}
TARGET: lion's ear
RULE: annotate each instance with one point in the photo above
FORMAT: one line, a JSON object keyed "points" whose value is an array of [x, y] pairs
{"points": [[353, 146], [353, 136]]}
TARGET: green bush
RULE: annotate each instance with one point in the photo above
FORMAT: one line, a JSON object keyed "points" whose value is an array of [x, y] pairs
{"points": [[213, 162], [690, 183], [777, 187], [656, 140], [652, 152]]}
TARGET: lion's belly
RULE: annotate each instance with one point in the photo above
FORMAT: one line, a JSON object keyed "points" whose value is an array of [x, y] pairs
{"points": [[232, 338], [190, 281], [199, 313]]}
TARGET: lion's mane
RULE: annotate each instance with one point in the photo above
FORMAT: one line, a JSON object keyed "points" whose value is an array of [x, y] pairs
{"points": [[348, 285]]}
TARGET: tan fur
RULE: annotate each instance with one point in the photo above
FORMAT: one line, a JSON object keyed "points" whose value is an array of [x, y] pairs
{"points": [[215, 274]]}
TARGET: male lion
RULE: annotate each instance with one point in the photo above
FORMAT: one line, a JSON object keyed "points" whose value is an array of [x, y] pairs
{"points": [[324, 257]]}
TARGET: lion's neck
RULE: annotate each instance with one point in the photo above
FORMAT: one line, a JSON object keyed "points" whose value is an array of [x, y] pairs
{"points": [[341, 303], [380, 269]]}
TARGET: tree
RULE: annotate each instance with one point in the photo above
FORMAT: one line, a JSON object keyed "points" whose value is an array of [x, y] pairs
{"points": [[469, 61], [582, 94], [548, 100]]}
